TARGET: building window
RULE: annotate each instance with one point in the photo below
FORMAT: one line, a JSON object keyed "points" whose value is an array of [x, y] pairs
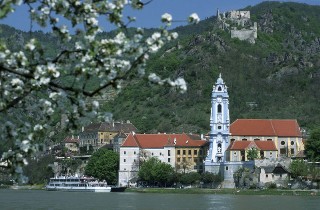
{"points": [[195, 152], [124, 160], [232, 140], [219, 88], [168, 160], [189, 152], [168, 152], [283, 151], [200, 151], [292, 151], [195, 160], [235, 153], [160, 153], [219, 127], [269, 139], [283, 143], [266, 175], [124, 152], [244, 139], [184, 152], [280, 175], [134, 152], [178, 159], [152, 153], [178, 152], [292, 142], [226, 168], [272, 175], [219, 108], [256, 139], [219, 149]]}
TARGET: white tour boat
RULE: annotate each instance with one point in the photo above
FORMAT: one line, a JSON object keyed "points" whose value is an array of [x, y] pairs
{"points": [[77, 184]]}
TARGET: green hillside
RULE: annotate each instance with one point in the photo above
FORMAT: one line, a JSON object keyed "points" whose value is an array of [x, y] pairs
{"points": [[277, 77]]}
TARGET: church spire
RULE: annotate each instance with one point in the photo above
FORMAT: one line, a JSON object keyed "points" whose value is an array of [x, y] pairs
{"points": [[219, 122]]}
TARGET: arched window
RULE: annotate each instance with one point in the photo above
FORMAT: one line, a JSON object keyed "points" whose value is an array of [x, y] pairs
{"points": [[219, 88], [219, 108], [219, 148]]}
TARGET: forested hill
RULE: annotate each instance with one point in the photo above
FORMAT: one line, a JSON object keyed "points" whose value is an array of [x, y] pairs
{"points": [[277, 77]]}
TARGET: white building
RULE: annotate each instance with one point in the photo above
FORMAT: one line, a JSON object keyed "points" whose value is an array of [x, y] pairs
{"points": [[173, 149]]}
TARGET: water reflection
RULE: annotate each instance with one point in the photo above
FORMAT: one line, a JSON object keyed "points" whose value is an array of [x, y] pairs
{"points": [[38, 199]]}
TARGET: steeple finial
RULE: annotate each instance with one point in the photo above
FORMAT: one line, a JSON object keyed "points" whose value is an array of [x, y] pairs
{"points": [[220, 75]]}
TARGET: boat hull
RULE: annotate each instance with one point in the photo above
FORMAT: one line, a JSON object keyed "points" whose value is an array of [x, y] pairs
{"points": [[118, 189], [79, 189]]}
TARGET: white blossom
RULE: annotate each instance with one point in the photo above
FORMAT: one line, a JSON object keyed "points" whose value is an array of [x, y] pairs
{"points": [[166, 18], [38, 127], [181, 84], [31, 45], [25, 145], [194, 18]]}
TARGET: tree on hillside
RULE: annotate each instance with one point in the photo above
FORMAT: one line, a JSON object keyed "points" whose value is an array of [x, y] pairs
{"points": [[312, 149], [36, 89], [190, 178], [153, 170], [39, 170], [252, 153], [210, 178], [298, 168], [185, 164], [104, 165]]}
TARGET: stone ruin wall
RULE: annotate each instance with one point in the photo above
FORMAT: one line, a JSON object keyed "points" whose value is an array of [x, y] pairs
{"points": [[240, 18]]}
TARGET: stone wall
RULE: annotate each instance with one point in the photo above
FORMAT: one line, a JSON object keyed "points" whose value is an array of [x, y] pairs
{"points": [[227, 169]]}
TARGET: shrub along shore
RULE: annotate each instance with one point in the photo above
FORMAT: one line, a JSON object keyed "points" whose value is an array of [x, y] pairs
{"points": [[227, 191], [288, 192]]}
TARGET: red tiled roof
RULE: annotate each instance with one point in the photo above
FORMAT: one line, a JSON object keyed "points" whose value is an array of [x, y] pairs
{"points": [[71, 140], [239, 145], [265, 127], [130, 141], [266, 145], [261, 145], [161, 140]]}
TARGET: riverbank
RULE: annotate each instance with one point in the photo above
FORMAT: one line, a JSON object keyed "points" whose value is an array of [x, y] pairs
{"points": [[226, 191], [26, 187]]}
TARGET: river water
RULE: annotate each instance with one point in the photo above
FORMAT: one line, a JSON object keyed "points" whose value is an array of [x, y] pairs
{"points": [[40, 199]]}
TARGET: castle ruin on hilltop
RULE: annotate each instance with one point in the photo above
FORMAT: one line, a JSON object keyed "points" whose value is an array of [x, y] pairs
{"points": [[239, 24]]}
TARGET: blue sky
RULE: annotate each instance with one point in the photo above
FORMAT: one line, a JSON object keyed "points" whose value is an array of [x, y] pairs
{"points": [[150, 16]]}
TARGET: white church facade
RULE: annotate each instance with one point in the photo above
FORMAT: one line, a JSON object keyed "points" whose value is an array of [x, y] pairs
{"points": [[229, 143]]}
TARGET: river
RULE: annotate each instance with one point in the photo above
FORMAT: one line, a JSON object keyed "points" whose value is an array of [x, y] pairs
{"points": [[40, 199]]}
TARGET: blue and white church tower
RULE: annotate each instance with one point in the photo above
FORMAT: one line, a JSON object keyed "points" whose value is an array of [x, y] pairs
{"points": [[217, 161], [219, 124]]}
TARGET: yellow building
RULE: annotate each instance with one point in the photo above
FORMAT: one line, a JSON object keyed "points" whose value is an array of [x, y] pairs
{"points": [[100, 134], [285, 135]]}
